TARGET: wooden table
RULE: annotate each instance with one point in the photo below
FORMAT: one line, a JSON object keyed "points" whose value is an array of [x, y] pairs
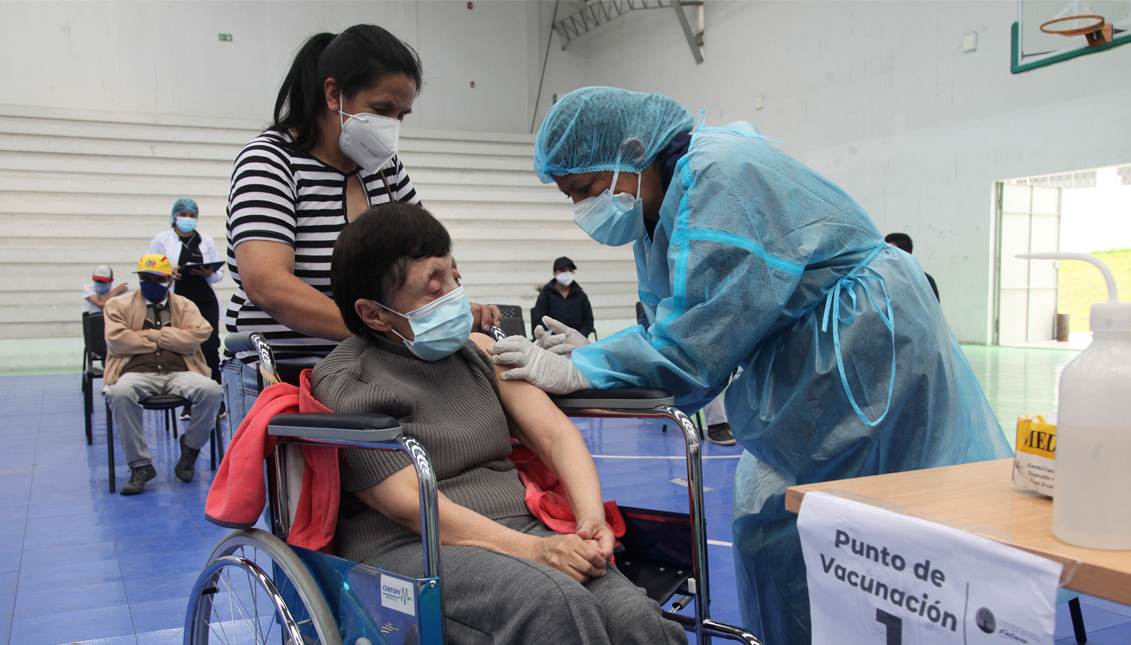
{"points": [[982, 499]]}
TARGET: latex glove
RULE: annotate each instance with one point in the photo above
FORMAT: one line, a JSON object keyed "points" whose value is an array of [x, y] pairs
{"points": [[560, 339], [550, 372]]}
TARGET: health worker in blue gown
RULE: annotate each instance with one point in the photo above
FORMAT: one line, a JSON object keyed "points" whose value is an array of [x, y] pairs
{"points": [[746, 257]]}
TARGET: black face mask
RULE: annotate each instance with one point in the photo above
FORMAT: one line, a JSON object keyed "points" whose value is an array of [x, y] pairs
{"points": [[154, 291]]}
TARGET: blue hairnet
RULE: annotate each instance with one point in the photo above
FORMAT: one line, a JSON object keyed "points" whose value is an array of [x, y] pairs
{"points": [[182, 204], [586, 129]]}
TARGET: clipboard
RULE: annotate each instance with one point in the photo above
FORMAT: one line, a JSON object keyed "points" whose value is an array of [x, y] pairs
{"points": [[214, 266]]}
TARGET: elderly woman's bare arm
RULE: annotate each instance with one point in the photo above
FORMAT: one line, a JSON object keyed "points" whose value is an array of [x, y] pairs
{"points": [[548, 433]]}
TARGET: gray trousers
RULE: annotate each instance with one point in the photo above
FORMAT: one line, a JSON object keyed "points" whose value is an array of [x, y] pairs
{"points": [[124, 397], [715, 412], [491, 597]]}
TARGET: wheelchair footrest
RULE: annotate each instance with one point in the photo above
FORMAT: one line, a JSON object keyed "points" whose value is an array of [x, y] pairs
{"points": [[658, 581]]}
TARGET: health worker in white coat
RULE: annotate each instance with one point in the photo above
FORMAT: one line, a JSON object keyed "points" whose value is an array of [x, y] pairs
{"points": [[746, 257], [185, 245]]}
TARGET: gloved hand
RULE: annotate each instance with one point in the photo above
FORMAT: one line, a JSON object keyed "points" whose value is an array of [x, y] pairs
{"points": [[560, 339], [550, 372]]}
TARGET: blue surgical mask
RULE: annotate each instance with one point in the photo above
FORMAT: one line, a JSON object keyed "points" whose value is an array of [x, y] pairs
{"points": [[186, 224], [154, 291], [101, 287], [440, 327], [612, 220]]}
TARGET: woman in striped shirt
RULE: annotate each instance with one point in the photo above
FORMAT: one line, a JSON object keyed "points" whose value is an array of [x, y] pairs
{"points": [[329, 155]]}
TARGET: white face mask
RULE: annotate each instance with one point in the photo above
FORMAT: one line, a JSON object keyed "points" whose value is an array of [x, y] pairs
{"points": [[565, 278], [370, 140]]}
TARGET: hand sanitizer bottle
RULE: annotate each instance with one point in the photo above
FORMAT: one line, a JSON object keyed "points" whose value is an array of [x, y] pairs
{"points": [[1092, 504]]}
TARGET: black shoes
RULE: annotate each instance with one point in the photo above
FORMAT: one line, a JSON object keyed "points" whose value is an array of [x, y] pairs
{"points": [[720, 433], [186, 413], [185, 470], [138, 477], [186, 466]]}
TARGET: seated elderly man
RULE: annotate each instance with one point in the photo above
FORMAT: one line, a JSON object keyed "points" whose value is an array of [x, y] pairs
{"points": [[507, 578], [153, 342]]}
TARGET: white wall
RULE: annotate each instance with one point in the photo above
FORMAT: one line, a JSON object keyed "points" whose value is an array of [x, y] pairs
{"points": [[1096, 219], [166, 57], [880, 98]]}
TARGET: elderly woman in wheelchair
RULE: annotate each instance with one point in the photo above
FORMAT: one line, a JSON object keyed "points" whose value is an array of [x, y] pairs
{"points": [[417, 402], [506, 577]]}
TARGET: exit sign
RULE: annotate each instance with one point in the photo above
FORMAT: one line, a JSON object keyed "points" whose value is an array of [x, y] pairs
{"points": [[225, 38]]}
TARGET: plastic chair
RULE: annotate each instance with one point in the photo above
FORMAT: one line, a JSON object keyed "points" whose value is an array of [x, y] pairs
{"points": [[512, 323], [167, 404], [94, 350]]}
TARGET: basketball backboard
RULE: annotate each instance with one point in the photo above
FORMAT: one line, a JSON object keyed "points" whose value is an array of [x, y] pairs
{"points": [[1034, 47]]}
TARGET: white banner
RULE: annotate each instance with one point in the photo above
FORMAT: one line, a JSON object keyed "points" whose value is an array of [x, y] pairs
{"points": [[881, 577]]}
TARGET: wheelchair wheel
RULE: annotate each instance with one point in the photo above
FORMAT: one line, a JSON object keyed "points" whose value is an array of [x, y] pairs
{"points": [[255, 590]]}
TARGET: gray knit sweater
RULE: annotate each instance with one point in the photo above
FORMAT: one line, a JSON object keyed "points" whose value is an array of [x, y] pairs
{"points": [[451, 406]]}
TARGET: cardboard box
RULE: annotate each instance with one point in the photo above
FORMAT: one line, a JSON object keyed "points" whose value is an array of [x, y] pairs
{"points": [[1034, 463]]}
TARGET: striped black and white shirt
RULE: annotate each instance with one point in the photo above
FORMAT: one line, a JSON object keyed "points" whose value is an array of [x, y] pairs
{"points": [[287, 196]]}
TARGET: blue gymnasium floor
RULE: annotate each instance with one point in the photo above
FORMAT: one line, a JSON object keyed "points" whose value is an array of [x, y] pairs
{"points": [[79, 565]]}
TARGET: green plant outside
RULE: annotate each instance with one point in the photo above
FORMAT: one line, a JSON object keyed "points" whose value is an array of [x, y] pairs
{"points": [[1081, 285]]}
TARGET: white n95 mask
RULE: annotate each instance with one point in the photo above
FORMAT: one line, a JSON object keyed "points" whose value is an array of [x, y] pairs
{"points": [[440, 327], [565, 278], [612, 220], [369, 139]]}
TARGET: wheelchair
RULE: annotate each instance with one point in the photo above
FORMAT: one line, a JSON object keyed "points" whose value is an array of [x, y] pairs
{"points": [[255, 588]]}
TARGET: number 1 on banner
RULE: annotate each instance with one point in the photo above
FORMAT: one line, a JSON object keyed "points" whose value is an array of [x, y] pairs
{"points": [[894, 625]]}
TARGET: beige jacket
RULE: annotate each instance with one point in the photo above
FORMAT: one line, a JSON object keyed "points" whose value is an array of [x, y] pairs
{"points": [[125, 316]]}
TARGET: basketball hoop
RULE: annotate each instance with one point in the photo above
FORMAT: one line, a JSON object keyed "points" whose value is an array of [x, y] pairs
{"points": [[1097, 34]]}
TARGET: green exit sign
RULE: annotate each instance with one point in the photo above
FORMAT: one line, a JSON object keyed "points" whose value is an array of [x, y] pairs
{"points": [[225, 38]]}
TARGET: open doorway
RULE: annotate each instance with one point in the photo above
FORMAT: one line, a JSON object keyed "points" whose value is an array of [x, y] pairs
{"points": [[1046, 304]]}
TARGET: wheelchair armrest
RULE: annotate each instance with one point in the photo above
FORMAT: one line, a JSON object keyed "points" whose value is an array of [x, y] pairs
{"points": [[625, 398], [239, 342], [336, 426]]}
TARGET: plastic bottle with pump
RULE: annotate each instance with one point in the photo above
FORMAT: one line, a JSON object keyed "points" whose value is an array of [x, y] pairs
{"points": [[1092, 505]]}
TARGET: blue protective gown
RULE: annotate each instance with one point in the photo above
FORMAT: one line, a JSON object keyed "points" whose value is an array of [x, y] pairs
{"points": [[739, 270]]}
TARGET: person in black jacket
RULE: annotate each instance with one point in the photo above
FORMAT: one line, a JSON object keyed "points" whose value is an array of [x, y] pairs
{"points": [[563, 300], [902, 241]]}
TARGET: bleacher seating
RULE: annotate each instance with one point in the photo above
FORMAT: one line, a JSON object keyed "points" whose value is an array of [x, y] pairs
{"points": [[81, 188]]}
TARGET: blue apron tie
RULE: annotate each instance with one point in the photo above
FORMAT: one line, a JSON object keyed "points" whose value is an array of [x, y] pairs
{"points": [[847, 285]]}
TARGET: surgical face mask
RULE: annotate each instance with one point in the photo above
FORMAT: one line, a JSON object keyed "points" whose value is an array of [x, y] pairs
{"points": [[154, 291], [101, 287], [186, 224], [565, 278], [612, 220], [440, 327], [370, 140]]}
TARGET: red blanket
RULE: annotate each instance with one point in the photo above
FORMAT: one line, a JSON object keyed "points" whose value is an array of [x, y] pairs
{"points": [[238, 492], [546, 499]]}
